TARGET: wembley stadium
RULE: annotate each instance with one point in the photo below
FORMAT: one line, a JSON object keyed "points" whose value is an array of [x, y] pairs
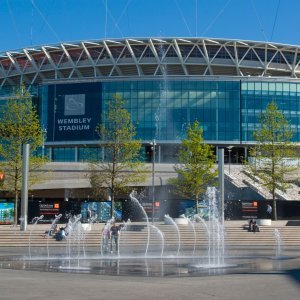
{"points": [[167, 83]]}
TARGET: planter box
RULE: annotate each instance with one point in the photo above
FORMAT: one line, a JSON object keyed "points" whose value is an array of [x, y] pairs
{"points": [[264, 222]]}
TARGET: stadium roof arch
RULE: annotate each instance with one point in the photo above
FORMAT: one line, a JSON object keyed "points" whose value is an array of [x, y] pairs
{"points": [[149, 57]]}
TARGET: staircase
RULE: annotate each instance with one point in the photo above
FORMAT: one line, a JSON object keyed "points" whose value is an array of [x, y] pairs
{"points": [[235, 237], [242, 179]]}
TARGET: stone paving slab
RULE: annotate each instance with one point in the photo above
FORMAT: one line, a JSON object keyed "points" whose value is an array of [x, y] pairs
{"points": [[29, 285]]}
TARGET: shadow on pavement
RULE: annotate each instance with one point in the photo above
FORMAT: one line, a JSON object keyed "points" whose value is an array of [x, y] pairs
{"points": [[294, 274]]}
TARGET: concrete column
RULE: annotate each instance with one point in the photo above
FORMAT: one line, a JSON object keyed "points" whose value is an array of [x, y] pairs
{"points": [[246, 153], [153, 147], [221, 183], [76, 154], [159, 153], [24, 192]]}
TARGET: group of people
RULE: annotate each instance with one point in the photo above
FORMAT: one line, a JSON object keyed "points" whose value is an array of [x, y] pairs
{"points": [[58, 233], [110, 237], [253, 227]]}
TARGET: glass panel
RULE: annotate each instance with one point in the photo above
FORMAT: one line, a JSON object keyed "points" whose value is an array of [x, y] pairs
{"points": [[162, 110], [63, 154], [86, 154]]}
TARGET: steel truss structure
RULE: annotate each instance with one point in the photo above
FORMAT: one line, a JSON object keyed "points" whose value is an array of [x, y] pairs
{"points": [[151, 57]]}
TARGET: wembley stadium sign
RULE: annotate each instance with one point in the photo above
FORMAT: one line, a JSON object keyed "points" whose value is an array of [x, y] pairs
{"points": [[74, 111]]}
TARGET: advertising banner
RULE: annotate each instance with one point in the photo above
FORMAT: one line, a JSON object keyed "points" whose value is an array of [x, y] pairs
{"points": [[7, 211], [100, 211], [49, 210], [249, 210], [74, 110]]}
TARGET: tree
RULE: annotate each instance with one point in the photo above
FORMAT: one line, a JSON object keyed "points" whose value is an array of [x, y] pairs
{"points": [[196, 165], [273, 146], [19, 125], [122, 166]]}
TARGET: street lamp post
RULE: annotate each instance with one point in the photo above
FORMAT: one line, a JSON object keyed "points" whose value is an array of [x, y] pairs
{"points": [[44, 132], [153, 145]]}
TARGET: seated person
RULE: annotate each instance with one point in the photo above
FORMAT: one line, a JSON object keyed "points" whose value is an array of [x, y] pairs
{"points": [[52, 231], [255, 227], [250, 228], [61, 235]]}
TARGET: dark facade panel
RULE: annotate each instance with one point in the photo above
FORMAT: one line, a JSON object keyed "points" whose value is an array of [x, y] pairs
{"points": [[73, 112]]}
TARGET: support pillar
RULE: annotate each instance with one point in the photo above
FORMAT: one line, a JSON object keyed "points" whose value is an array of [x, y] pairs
{"points": [[221, 184], [153, 146], [159, 154], [246, 153], [24, 192]]}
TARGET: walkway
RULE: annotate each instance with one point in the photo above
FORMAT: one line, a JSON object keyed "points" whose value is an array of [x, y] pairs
{"points": [[28, 285]]}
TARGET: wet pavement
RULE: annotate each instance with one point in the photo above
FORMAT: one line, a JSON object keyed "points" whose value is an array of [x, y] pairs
{"points": [[251, 262], [256, 273], [31, 285]]}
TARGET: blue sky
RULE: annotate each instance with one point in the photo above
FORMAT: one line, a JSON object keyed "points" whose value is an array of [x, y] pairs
{"points": [[27, 23]]}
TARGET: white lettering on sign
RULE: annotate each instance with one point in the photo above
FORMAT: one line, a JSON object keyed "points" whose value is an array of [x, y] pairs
{"points": [[73, 127], [74, 121], [68, 124]]}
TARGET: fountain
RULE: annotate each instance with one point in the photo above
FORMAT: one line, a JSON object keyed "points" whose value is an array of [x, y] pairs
{"points": [[34, 222], [161, 235], [278, 243], [105, 236], [171, 221], [145, 249], [160, 114], [53, 224], [146, 217], [215, 231]]}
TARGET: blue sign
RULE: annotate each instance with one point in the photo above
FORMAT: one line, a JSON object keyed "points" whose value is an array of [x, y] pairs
{"points": [[74, 111]]}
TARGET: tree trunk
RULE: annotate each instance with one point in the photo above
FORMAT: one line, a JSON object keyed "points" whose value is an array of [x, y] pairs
{"points": [[196, 201], [112, 208], [274, 207], [274, 185]]}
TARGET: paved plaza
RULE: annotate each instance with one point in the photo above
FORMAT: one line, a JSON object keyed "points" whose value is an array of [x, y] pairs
{"points": [[261, 277], [18, 284], [269, 278]]}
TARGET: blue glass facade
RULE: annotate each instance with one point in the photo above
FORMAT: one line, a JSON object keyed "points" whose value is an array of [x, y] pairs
{"points": [[255, 97], [161, 110]]}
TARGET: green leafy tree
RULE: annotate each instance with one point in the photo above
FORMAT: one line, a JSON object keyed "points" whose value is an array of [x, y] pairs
{"points": [[121, 167], [19, 125], [270, 154], [196, 165]]}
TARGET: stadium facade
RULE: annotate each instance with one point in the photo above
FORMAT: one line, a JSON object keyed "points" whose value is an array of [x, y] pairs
{"points": [[167, 83]]}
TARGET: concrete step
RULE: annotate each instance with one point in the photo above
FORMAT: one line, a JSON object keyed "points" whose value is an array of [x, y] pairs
{"points": [[234, 236]]}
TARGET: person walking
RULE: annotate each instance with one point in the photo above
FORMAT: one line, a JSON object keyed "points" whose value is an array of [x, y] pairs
{"points": [[269, 210], [114, 234]]}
